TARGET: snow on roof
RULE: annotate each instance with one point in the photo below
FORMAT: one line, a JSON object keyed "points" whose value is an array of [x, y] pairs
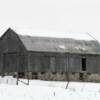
{"points": [[59, 45], [62, 46], [77, 36], [58, 42]]}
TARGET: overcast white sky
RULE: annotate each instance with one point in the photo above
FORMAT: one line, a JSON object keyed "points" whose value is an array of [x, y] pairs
{"points": [[51, 15]]}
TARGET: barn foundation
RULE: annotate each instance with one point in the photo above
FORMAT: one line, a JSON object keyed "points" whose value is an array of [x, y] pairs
{"points": [[61, 76]]}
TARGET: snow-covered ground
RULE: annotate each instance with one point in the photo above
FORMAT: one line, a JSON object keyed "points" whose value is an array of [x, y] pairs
{"points": [[47, 90]]}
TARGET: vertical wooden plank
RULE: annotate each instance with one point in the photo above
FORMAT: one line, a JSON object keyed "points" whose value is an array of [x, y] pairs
{"points": [[52, 64]]}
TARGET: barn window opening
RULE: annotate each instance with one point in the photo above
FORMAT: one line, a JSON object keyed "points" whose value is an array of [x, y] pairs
{"points": [[83, 64]]}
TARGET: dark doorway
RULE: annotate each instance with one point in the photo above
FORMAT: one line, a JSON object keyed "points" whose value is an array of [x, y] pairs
{"points": [[83, 61]]}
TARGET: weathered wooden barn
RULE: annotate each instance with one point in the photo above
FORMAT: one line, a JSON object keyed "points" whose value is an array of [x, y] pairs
{"points": [[40, 55]]}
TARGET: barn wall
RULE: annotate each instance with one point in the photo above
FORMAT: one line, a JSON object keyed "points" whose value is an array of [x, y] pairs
{"points": [[74, 63], [10, 62], [14, 62], [56, 62], [1, 64], [38, 62], [53, 62], [14, 57], [11, 43], [93, 64], [23, 62], [13, 53]]}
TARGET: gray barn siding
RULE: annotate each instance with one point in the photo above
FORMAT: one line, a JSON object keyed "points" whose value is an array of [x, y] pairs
{"points": [[93, 64], [16, 54], [57, 62], [98, 64], [38, 62], [14, 62], [13, 53], [11, 43], [23, 63], [52, 64], [10, 62], [60, 63], [1, 64], [74, 64], [44, 62]]}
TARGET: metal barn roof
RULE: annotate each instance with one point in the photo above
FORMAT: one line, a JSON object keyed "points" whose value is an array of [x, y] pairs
{"points": [[48, 44], [76, 43]]}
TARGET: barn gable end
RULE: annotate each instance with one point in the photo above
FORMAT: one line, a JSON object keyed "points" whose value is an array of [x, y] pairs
{"points": [[10, 42], [13, 53]]}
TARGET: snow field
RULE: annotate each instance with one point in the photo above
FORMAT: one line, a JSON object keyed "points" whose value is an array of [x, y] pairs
{"points": [[47, 90]]}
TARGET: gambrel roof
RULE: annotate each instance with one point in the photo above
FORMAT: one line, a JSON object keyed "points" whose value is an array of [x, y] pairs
{"points": [[45, 44], [54, 44]]}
